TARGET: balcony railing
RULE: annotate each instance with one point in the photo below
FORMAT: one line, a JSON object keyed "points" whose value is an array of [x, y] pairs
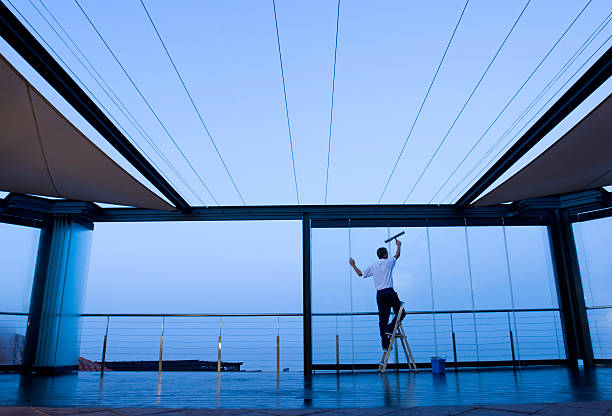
{"points": [[341, 341], [600, 324]]}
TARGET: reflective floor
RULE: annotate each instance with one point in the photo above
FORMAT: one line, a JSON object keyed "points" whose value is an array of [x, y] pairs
{"points": [[293, 390]]}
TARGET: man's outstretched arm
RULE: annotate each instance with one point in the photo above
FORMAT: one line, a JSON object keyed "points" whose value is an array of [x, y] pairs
{"points": [[399, 248], [352, 263]]}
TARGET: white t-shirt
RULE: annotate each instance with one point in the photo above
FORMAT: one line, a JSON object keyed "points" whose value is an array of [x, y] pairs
{"points": [[382, 271]]}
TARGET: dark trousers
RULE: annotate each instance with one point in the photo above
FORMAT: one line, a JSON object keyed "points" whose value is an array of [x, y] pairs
{"points": [[387, 299]]}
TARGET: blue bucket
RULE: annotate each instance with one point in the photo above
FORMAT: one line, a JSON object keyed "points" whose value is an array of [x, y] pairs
{"points": [[438, 365]]}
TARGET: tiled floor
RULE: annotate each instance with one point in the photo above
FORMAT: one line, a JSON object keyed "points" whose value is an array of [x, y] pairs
{"points": [[393, 393], [560, 409]]}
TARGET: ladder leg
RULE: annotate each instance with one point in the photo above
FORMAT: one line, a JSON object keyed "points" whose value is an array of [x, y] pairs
{"points": [[388, 355], [407, 350], [411, 356], [383, 366], [404, 342]]}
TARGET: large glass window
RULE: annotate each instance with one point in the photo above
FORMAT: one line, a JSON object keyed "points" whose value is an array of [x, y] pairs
{"points": [[466, 290], [18, 259], [215, 268], [593, 240]]}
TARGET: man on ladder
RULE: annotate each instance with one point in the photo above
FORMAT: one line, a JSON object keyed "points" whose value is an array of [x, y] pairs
{"points": [[386, 297]]}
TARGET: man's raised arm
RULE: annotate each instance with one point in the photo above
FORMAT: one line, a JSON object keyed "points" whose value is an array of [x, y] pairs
{"points": [[352, 263], [399, 248]]}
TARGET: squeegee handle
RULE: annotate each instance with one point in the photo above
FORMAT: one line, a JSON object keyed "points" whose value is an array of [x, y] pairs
{"points": [[394, 237]]}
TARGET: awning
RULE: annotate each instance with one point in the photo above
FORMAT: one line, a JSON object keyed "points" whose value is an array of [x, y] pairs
{"points": [[42, 153], [581, 159]]}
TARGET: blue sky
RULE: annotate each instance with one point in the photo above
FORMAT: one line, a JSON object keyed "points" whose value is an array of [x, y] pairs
{"points": [[387, 55]]}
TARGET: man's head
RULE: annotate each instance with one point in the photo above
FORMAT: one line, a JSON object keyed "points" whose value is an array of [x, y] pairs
{"points": [[382, 253]]}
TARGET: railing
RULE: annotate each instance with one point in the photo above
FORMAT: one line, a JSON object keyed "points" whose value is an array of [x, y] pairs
{"points": [[467, 337], [274, 342], [13, 327], [600, 324], [256, 341]]}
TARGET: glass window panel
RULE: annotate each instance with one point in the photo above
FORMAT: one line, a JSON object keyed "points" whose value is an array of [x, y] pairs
{"points": [[182, 267], [489, 268], [593, 239], [450, 268], [411, 275], [457, 254], [18, 259], [364, 243], [197, 267], [531, 267]]}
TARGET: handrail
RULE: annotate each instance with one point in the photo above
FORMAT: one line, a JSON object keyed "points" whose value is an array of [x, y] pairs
{"points": [[247, 315], [599, 307], [212, 315], [445, 311]]}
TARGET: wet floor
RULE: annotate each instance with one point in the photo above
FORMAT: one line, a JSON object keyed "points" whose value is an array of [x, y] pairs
{"points": [[293, 390]]}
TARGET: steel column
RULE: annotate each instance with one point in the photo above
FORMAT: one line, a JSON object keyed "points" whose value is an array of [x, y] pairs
{"points": [[38, 291], [57, 296], [574, 320], [306, 294]]}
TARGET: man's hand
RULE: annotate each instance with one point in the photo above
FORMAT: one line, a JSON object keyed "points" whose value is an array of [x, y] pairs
{"points": [[399, 248], [398, 242], [352, 263]]}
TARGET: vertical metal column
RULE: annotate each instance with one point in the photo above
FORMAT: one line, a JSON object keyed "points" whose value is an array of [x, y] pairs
{"points": [[57, 298], [43, 259], [574, 320], [306, 294]]}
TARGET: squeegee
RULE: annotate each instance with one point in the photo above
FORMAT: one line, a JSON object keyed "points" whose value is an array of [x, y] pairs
{"points": [[394, 237]]}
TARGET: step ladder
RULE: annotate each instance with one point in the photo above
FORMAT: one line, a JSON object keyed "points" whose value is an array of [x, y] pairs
{"points": [[398, 332]]}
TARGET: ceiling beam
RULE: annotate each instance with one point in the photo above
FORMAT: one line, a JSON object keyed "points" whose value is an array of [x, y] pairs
{"points": [[26, 45], [529, 212], [592, 79]]}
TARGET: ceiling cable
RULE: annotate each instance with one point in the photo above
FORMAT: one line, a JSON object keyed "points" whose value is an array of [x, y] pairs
{"points": [[280, 56], [530, 120], [331, 111], [145, 101], [423, 102], [466, 102], [114, 98], [511, 99], [90, 93], [195, 107]]}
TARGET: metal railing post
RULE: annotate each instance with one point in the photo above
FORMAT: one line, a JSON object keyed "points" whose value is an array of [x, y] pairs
{"points": [[161, 346], [511, 341], [104, 348], [454, 341], [219, 350], [277, 347], [307, 294], [337, 353]]}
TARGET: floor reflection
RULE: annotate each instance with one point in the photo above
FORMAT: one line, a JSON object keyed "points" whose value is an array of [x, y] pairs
{"points": [[293, 390]]}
